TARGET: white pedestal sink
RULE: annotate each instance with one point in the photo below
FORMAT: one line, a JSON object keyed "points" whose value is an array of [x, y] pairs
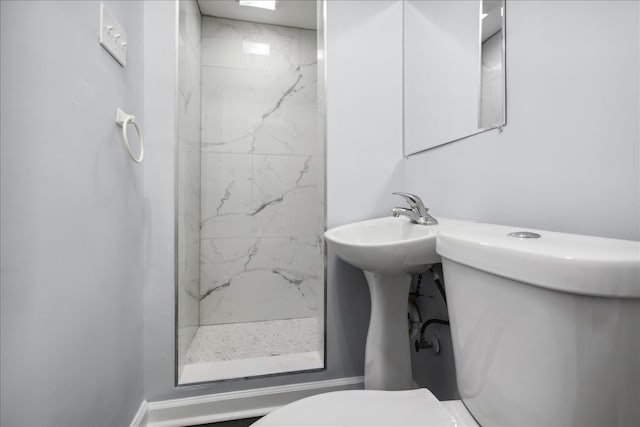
{"points": [[389, 250]]}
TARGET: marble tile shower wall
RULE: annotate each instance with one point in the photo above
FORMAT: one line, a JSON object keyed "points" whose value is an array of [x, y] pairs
{"points": [[188, 175], [262, 207]]}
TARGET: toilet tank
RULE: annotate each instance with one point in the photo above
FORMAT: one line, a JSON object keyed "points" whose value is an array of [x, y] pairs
{"points": [[546, 331]]}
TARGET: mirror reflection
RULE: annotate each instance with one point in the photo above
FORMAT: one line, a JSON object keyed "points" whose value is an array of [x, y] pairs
{"points": [[454, 80], [492, 70]]}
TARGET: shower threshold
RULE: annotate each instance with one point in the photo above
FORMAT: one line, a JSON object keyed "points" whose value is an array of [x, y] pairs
{"points": [[238, 350]]}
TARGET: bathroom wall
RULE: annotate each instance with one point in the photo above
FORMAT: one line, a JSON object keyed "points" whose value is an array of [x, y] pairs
{"points": [[188, 175], [568, 159], [364, 98], [262, 174], [72, 217], [363, 87]]}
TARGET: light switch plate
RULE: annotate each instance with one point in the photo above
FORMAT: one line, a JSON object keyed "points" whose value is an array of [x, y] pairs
{"points": [[113, 37]]}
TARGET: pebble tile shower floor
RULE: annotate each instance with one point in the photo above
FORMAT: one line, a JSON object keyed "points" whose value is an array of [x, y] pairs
{"points": [[253, 339]]}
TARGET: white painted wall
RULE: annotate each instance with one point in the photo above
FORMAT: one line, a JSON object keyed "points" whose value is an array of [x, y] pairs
{"points": [[72, 217], [569, 157], [364, 98]]}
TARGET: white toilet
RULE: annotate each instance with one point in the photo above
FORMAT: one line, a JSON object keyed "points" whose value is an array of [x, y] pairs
{"points": [[545, 329]]}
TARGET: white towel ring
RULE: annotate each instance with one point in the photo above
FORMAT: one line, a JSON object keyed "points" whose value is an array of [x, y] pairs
{"points": [[123, 119]]}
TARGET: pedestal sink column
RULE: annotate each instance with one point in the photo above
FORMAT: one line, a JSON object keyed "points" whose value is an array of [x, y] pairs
{"points": [[387, 357]]}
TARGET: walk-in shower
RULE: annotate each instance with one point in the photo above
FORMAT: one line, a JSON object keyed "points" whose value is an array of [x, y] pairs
{"points": [[250, 198]]}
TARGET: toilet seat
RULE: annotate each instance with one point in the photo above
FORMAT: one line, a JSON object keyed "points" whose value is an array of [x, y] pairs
{"points": [[368, 408]]}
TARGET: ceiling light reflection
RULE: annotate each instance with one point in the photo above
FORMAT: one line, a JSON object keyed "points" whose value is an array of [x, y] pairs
{"points": [[254, 48], [262, 4]]}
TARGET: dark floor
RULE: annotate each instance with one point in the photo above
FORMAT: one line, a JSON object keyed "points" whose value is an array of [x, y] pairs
{"points": [[233, 423]]}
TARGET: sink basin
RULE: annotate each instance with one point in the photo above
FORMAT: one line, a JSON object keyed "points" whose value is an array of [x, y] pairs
{"points": [[388, 245], [388, 250]]}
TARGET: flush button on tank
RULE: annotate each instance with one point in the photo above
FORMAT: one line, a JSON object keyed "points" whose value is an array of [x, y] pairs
{"points": [[524, 235]]}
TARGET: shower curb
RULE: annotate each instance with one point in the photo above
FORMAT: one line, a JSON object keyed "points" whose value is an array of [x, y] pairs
{"points": [[236, 405]]}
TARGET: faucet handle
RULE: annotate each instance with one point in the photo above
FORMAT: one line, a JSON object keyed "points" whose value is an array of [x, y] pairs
{"points": [[414, 201]]}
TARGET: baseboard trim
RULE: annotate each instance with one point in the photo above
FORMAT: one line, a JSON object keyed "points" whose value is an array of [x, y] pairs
{"points": [[140, 418], [238, 404]]}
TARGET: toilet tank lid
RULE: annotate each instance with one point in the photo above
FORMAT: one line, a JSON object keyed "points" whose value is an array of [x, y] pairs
{"points": [[565, 262]]}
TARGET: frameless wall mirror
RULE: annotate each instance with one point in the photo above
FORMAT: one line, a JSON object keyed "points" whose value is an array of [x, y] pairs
{"points": [[250, 261], [454, 74]]}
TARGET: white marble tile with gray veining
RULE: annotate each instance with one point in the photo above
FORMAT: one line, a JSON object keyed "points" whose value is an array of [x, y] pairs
{"points": [[290, 268], [287, 198], [251, 111], [189, 90], [295, 258], [262, 211], [248, 45], [258, 103], [188, 65], [253, 296], [289, 125], [261, 195], [190, 23], [226, 195], [233, 103], [189, 112]]}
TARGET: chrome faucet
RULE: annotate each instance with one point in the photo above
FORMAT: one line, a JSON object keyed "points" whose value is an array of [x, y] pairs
{"points": [[417, 212]]}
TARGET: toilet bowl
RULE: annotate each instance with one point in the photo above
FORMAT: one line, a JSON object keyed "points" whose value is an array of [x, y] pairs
{"points": [[544, 332], [371, 408]]}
